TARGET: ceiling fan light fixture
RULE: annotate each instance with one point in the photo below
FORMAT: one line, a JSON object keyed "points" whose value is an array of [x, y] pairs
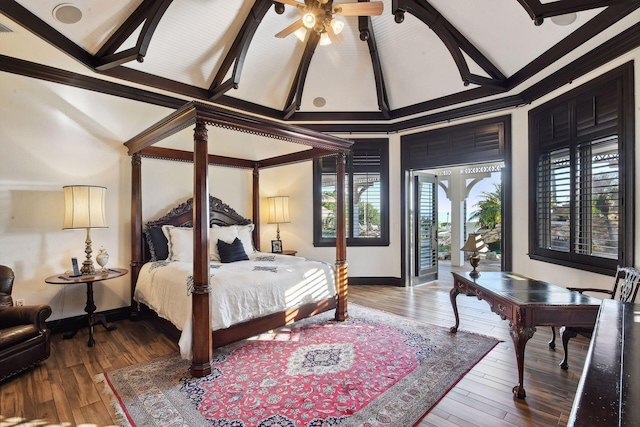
{"points": [[337, 25], [301, 33], [324, 39], [309, 20]]}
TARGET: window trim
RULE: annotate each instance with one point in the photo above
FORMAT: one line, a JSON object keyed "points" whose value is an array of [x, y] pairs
{"points": [[383, 240], [623, 76]]}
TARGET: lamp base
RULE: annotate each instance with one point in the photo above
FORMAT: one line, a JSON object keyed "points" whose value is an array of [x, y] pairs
{"points": [[87, 265], [474, 260], [87, 268]]}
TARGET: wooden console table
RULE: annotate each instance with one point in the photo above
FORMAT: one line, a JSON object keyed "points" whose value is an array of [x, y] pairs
{"points": [[609, 387], [527, 303], [91, 319]]}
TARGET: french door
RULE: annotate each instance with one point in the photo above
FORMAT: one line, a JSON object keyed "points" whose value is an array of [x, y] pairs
{"points": [[426, 228]]}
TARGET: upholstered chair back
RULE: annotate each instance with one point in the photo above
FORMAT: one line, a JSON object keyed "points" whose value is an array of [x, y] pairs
{"points": [[6, 286]]}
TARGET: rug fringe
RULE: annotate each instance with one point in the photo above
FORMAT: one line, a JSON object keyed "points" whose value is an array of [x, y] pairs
{"points": [[122, 418]]}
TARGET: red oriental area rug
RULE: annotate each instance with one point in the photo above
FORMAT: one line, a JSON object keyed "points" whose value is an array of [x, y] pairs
{"points": [[377, 369]]}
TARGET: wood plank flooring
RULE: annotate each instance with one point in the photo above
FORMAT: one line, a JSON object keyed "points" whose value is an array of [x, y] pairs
{"points": [[62, 390]]}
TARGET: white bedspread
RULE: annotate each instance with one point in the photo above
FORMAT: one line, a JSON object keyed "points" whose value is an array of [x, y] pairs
{"points": [[240, 291]]}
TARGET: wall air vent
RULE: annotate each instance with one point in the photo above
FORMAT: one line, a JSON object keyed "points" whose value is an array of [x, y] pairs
{"points": [[4, 29]]}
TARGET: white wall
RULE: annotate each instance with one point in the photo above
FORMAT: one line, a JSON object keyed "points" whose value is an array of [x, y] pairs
{"points": [[53, 135], [50, 136]]}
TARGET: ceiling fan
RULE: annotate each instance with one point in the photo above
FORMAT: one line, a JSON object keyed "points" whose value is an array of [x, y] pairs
{"points": [[317, 15]]}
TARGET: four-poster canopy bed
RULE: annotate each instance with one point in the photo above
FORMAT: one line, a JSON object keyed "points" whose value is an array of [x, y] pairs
{"points": [[203, 211]]}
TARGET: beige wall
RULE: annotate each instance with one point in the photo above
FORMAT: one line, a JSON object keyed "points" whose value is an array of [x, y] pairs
{"points": [[52, 135]]}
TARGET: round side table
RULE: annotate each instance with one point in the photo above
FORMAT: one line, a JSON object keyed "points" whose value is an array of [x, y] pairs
{"points": [[91, 318]]}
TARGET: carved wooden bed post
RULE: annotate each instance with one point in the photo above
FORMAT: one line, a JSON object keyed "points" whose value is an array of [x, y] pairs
{"points": [[256, 206], [136, 227], [341, 242], [202, 340]]}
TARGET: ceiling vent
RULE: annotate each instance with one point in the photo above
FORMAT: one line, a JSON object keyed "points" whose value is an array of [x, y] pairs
{"points": [[4, 29]]}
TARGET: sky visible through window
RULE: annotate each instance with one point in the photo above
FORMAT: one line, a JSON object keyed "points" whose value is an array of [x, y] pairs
{"points": [[444, 204]]}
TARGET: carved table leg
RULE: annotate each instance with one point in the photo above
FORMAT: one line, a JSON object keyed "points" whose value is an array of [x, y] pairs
{"points": [[552, 343], [452, 295], [90, 309], [566, 334], [520, 336]]}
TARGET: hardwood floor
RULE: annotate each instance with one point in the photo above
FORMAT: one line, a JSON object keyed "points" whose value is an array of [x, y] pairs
{"points": [[62, 390]]}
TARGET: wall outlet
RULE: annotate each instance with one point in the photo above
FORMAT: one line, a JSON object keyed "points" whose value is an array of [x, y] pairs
{"points": [[19, 302]]}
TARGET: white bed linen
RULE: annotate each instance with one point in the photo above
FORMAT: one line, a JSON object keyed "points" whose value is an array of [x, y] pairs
{"points": [[240, 291]]}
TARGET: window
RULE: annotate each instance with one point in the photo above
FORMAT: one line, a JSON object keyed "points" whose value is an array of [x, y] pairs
{"points": [[366, 193], [582, 177]]}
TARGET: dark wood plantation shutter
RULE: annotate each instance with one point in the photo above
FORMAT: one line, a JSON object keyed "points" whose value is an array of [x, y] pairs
{"points": [[367, 191], [578, 217], [463, 144]]}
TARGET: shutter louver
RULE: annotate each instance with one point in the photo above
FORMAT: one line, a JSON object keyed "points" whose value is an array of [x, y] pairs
{"points": [[553, 128], [455, 145]]}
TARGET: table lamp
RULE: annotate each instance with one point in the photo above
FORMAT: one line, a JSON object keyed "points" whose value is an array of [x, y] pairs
{"points": [[474, 244], [278, 213], [84, 207]]}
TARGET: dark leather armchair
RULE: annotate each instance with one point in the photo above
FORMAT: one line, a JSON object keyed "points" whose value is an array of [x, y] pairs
{"points": [[24, 337]]}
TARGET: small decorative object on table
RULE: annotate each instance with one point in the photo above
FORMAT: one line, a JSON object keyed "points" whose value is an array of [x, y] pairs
{"points": [[474, 244], [102, 259], [276, 246]]}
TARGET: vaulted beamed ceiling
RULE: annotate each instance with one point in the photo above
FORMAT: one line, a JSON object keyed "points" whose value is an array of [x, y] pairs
{"points": [[419, 58]]}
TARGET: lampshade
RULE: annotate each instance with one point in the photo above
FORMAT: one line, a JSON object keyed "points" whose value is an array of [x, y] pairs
{"points": [[475, 243], [278, 209], [84, 207]]}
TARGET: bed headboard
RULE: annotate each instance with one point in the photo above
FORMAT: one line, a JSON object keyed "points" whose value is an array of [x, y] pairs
{"points": [[219, 213], [182, 216]]}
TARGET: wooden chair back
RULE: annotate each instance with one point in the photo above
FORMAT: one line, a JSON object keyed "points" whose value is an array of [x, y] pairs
{"points": [[627, 279]]}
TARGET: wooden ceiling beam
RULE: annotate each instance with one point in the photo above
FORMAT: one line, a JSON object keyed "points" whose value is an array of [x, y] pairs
{"points": [[46, 32], [454, 41], [366, 33], [150, 13], [295, 93], [238, 51], [538, 11]]}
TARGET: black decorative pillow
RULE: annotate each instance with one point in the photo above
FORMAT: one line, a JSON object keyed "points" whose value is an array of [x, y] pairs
{"points": [[232, 252], [158, 243]]}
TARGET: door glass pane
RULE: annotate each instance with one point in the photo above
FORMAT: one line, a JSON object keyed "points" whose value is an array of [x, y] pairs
{"points": [[427, 224]]}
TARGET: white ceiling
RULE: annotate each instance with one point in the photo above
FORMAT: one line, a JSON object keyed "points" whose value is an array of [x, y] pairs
{"points": [[194, 36]]}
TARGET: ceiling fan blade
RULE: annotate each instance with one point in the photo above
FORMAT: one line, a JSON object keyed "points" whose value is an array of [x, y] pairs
{"points": [[290, 2], [290, 29], [359, 9], [336, 39]]}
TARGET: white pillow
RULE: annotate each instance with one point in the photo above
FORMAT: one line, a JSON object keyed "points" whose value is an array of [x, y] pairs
{"points": [[226, 234], [245, 234], [180, 242]]}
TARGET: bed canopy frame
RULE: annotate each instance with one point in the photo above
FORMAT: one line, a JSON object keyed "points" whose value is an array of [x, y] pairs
{"points": [[202, 115]]}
